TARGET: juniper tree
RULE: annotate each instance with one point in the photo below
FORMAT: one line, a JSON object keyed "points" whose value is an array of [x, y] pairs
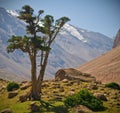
{"points": [[40, 34]]}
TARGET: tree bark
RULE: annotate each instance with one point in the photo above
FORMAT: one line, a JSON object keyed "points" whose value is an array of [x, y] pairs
{"points": [[35, 95], [42, 71]]}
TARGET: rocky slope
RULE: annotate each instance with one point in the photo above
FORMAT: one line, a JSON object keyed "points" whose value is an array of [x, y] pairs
{"points": [[117, 39], [73, 46], [105, 68]]}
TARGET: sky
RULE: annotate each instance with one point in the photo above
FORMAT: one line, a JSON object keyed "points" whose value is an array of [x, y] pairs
{"points": [[101, 16]]}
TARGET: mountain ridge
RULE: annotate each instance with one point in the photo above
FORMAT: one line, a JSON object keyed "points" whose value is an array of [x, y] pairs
{"points": [[66, 50]]}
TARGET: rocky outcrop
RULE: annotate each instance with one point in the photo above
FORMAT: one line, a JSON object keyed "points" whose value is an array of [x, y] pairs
{"points": [[117, 39], [7, 110], [12, 94], [73, 74], [81, 109], [25, 85], [100, 96]]}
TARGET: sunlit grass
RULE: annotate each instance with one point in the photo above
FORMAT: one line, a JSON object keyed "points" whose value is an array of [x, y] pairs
{"points": [[49, 102]]}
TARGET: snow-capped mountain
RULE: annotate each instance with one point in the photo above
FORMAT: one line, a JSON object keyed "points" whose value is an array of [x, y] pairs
{"points": [[13, 12], [72, 47], [73, 31]]}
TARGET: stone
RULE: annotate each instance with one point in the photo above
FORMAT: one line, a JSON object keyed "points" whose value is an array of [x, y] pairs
{"points": [[34, 107], [100, 96], [25, 96], [65, 81], [93, 87], [45, 85], [73, 74], [81, 109], [25, 86], [7, 110], [56, 86], [71, 92], [12, 94], [61, 89]]}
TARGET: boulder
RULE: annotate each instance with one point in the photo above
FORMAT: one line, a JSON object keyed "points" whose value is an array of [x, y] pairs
{"points": [[93, 87], [7, 110], [25, 96], [12, 94], [81, 109], [73, 74], [61, 89], [100, 96], [25, 85], [65, 81]]}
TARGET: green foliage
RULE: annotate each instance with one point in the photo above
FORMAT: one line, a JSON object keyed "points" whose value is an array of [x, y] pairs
{"points": [[113, 85], [11, 86], [84, 97]]}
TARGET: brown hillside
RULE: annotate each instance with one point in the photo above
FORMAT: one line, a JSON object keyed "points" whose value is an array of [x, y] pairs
{"points": [[105, 68]]}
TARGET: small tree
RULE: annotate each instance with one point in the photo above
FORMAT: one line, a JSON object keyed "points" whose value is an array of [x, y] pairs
{"points": [[40, 35]]}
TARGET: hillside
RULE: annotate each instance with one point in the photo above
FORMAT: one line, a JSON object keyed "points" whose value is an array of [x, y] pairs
{"points": [[105, 68], [53, 96]]}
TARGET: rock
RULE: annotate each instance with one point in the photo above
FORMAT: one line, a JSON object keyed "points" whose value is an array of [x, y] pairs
{"points": [[34, 107], [45, 85], [65, 81], [55, 91], [56, 86], [98, 82], [12, 94], [2, 88], [100, 96], [71, 92], [81, 109], [61, 89], [58, 98], [93, 87], [73, 74], [25, 96], [7, 110], [117, 40], [25, 86]]}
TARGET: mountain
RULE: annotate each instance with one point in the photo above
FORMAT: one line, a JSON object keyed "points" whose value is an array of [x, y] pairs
{"points": [[117, 39], [10, 64], [72, 47], [105, 68]]}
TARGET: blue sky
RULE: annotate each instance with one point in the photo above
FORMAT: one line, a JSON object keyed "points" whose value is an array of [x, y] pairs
{"points": [[95, 15]]}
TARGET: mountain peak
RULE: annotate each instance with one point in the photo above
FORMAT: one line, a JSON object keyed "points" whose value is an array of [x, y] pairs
{"points": [[13, 12], [74, 32]]}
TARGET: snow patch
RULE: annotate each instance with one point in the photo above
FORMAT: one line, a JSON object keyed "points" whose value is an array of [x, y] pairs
{"points": [[13, 13], [73, 31]]}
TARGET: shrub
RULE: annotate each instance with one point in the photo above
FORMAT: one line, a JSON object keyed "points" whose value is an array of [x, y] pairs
{"points": [[84, 97], [11, 86], [113, 85]]}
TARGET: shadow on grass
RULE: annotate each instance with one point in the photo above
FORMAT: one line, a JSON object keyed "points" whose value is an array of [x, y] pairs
{"points": [[47, 107]]}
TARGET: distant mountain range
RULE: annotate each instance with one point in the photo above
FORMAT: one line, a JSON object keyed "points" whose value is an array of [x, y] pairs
{"points": [[73, 47]]}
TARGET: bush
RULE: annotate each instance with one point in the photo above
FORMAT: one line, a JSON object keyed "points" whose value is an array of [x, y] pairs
{"points": [[84, 97], [113, 85], [11, 86]]}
